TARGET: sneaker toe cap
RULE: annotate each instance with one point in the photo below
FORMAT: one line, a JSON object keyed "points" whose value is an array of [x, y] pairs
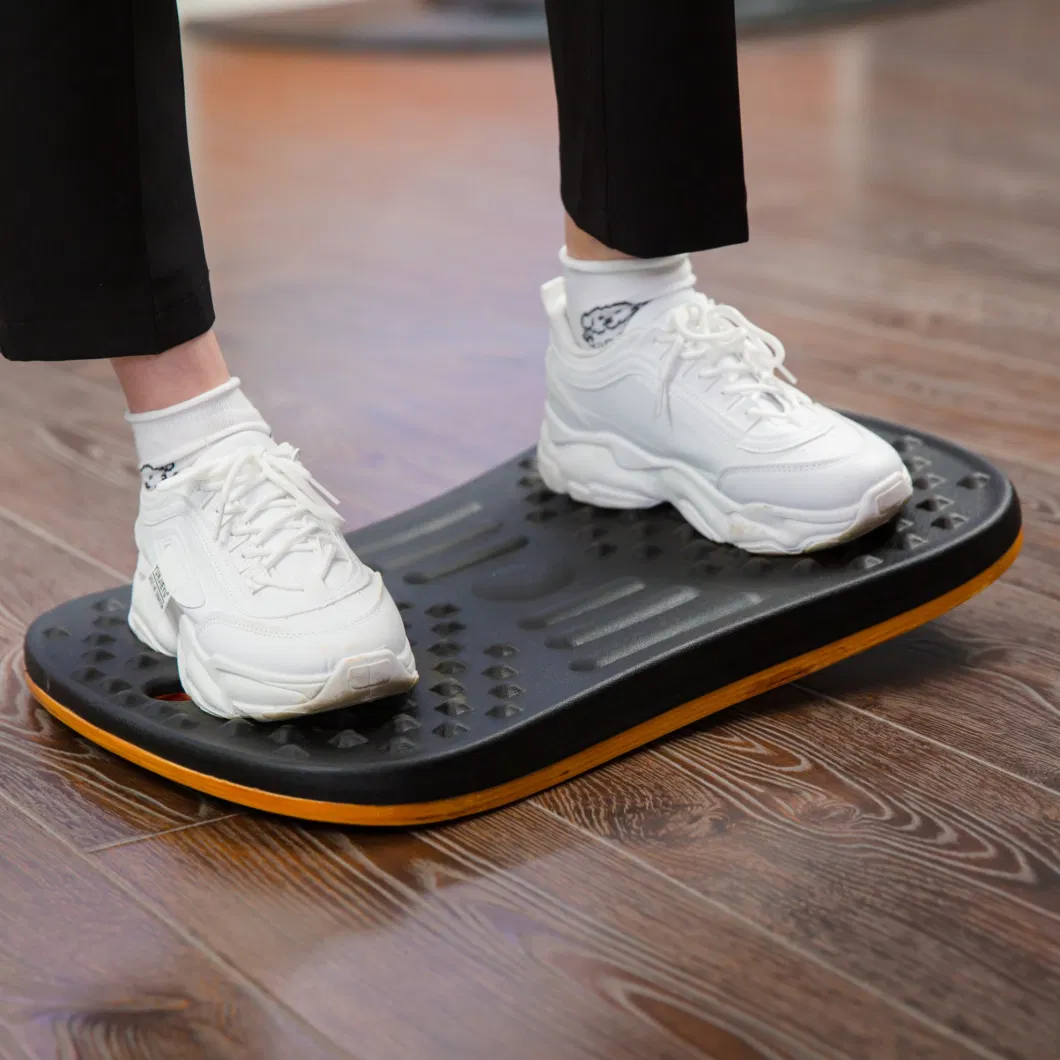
{"points": [[308, 647]]}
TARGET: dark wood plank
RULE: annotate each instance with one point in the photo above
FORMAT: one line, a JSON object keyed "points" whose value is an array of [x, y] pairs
{"points": [[901, 863], [86, 972], [10, 1049], [67, 463], [982, 679], [512, 935], [85, 794]]}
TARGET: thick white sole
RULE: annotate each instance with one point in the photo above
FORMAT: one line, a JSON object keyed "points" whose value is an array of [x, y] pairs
{"points": [[351, 681], [606, 470]]}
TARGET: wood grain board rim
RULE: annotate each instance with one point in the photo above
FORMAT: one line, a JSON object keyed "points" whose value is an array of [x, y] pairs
{"points": [[434, 811]]}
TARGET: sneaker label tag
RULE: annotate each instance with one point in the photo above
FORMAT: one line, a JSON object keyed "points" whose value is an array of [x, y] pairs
{"points": [[158, 586]]}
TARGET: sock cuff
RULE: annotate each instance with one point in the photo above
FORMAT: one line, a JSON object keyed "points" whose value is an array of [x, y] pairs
{"points": [[167, 436], [623, 265], [217, 393]]}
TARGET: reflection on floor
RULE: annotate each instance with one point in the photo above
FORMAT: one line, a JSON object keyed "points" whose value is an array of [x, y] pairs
{"points": [[866, 865]]}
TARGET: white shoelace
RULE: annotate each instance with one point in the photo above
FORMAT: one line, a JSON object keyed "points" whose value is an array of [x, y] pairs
{"points": [[746, 357], [288, 512]]}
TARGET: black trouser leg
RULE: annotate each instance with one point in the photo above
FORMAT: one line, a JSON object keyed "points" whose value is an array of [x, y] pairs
{"points": [[651, 151], [100, 249]]}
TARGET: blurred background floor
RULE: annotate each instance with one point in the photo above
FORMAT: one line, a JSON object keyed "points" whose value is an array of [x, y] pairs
{"points": [[864, 865]]}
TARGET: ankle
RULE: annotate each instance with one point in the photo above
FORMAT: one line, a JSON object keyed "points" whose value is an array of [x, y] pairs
{"points": [[179, 374]]}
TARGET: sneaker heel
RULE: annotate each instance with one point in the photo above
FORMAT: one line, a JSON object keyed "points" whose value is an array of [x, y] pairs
{"points": [[588, 472]]}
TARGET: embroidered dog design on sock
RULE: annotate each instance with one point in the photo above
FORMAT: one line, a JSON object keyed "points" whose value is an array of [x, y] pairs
{"points": [[605, 322], [152, 476]]}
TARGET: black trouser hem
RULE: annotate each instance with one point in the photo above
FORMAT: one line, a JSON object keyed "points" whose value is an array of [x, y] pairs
{"points": [[686, 237], [122, 331]]}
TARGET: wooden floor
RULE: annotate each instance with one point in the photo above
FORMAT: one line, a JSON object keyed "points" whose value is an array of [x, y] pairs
{"points": [[865, 865]]}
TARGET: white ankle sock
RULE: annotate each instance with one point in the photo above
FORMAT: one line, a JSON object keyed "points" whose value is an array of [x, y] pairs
{"points": [[169, 439], [603, 296]]}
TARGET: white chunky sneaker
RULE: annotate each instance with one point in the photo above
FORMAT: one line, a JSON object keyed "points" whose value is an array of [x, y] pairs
{"points": [[245, 577], [691, 404]]}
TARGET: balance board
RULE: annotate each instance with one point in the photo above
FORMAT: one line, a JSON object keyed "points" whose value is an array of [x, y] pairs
{"points": [[550, 637]]}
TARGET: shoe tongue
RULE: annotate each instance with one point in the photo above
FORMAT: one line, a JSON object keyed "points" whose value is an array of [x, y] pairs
{"points": [[297, 567], [650, 315], [253, 437]]}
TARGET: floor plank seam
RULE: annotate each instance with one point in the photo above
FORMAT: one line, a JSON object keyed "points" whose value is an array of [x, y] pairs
{"points": [[132, 840], [791, 947], [233, 971], [804, 687], [57, 542]]}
